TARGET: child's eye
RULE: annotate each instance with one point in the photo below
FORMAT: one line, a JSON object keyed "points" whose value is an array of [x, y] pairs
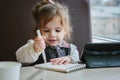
{"points": [[58, 30], [46, 30]]}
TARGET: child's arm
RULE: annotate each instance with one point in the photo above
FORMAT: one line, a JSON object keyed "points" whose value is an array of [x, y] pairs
{"points": [[26, 53], [30, 52], [74, 54]]}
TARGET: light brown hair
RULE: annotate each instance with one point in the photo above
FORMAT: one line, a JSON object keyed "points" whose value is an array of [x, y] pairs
{"points": [[45, 10]]}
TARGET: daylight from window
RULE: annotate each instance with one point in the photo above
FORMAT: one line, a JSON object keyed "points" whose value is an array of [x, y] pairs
{"points": [[105, 20]]}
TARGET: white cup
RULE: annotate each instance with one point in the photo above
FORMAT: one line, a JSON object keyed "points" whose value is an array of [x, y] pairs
{"points": [[9, 70]]}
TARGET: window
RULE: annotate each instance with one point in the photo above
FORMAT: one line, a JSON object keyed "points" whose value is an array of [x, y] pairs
{"points": [[105, 20]]}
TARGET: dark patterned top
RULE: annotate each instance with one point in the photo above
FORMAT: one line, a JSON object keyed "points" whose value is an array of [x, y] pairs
{"points": [[54, 52]]}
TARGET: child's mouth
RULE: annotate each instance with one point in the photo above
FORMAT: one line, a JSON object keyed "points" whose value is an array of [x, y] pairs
{"points": [[52, 41]]}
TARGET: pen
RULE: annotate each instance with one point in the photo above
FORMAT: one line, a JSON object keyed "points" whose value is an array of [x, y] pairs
{"points": [[43, 53]]}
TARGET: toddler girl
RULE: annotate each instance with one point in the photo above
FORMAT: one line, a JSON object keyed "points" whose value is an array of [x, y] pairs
{"points": [[52, 19]]}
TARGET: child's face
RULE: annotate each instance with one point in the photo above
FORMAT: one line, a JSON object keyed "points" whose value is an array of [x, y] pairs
{"points": [[54, 31]]}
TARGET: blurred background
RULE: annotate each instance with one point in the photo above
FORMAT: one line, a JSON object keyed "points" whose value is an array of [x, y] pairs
{"points": [[16, 24]]}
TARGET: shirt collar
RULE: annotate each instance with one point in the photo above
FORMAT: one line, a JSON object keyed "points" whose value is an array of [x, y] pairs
{"points": [[64, 44]]}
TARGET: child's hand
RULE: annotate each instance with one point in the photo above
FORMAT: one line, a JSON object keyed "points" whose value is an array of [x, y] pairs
{"points": [[39, 43], [61, 60]]}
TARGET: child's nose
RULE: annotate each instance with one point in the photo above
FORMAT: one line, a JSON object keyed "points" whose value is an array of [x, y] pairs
{"points": [[52, 33]]}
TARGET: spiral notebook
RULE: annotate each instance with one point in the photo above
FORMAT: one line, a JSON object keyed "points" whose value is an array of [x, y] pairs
{"points": [[61, 68]]}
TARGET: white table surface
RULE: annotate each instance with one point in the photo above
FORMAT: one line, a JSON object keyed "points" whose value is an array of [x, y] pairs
{"points": [[31, 73]]}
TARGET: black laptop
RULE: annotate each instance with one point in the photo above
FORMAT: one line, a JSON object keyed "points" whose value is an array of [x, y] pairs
{"points": [[101, 55]]}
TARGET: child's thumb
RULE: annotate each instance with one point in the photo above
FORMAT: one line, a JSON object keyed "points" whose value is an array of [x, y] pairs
{"points": [[44, 37]]}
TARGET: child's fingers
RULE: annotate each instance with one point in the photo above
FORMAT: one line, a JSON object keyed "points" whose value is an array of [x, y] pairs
{"points": [[44, 37], [61, 61], [52, 60], [39, 44], [55, 61], [40, 38], [66, 62]]}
